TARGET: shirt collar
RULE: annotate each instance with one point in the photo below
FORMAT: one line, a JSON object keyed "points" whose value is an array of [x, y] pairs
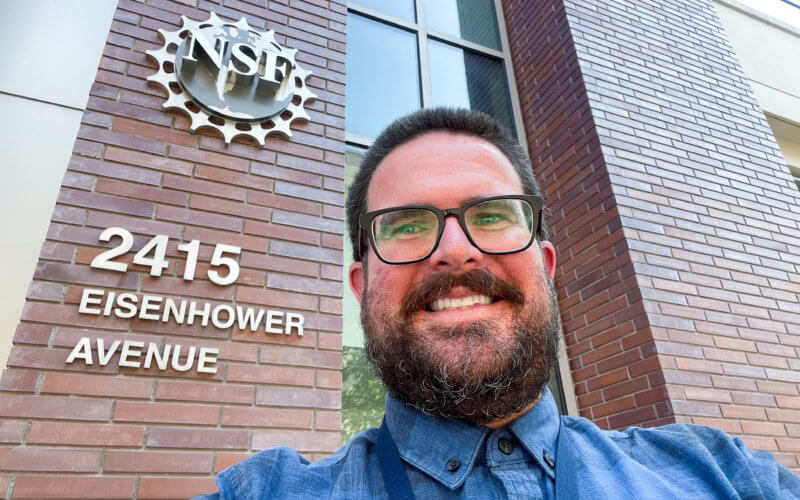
{"points": [[538, 431], [430, 443]]}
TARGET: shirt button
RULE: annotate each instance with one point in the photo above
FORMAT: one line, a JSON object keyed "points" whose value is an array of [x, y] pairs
{"points": [[505, 446], [548, 459], [453, 464]]}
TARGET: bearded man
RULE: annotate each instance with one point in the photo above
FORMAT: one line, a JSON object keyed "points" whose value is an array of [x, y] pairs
{"points": [[454, 275]]}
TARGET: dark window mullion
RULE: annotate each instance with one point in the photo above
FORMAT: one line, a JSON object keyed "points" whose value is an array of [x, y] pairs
{"points": [[381, 16], [374, 15], [422, 46], [465, 44]]}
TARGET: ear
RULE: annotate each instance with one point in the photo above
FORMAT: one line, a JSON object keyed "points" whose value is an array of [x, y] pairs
{"points": [[357, 279], [548, 258]]}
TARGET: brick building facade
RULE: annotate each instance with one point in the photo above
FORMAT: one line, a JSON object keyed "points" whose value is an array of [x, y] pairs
{"points": [[672, 210], [675, 218], [81, 431]]}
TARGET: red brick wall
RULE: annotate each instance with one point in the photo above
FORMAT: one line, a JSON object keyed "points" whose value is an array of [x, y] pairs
{"points": [[69, 430], [609, 343], [673, 210]]}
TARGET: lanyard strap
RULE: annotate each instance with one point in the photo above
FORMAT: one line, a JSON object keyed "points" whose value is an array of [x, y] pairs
{"points": [[394, 476]]}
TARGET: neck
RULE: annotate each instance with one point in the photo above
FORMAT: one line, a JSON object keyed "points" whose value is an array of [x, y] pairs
{"points": [[502, 422]]}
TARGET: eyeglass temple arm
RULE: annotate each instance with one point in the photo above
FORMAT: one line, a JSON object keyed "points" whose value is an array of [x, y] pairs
{"points": [[361, 243], [541, 224]]}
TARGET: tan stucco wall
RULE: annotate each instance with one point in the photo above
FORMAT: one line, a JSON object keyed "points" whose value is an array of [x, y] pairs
{"points": [[48, 58], [768, 49]]}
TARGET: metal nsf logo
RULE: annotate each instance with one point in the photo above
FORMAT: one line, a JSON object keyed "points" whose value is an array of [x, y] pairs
{"points": [[232, 78]]}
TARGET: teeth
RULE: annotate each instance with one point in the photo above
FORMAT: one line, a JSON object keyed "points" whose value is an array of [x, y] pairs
{"points": [[442, 304]]}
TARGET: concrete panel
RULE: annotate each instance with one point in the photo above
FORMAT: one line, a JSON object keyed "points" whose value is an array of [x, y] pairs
{"points": [[35, 144]]}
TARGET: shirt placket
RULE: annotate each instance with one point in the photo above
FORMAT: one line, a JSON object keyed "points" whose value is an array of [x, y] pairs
{"points": [[510, 464]]}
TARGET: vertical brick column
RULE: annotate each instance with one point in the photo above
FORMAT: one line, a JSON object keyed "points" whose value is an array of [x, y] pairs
{"points": [[71, 430], [704, 202], [614, 365]]}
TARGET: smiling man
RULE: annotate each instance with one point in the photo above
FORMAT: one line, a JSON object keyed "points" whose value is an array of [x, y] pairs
{"points": [[457, 303], [454, 275]]}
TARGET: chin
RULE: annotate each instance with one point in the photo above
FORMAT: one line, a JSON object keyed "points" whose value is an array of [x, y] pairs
{"points": [[477, 363], [472, 348]]}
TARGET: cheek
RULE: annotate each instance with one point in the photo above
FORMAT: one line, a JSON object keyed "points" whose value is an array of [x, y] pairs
{"points": [[519, 265], [388, 285], [525, 269]]}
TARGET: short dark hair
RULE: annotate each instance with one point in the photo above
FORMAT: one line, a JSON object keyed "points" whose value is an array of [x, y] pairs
{"points": [[403, 130]]}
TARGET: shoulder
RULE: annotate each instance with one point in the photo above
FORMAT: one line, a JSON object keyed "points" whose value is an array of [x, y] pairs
{"points": [[674, 440], [282, 472], [662, 434], [694, 453]]}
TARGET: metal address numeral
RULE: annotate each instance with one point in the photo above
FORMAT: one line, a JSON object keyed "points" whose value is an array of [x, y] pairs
{"points": [[153, 255], [103, 261]]}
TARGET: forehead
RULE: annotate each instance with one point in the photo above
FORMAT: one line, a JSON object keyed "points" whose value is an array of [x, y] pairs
{"points": [[443, 169]]}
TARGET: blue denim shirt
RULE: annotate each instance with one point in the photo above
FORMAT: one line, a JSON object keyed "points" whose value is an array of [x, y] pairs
{"points": [[540, 455]]}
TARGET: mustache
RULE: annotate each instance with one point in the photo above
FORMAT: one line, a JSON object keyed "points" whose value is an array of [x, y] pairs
{"points": [[479, 281]]}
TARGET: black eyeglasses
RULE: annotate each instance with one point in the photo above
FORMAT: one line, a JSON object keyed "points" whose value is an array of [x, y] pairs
{"points": [[496, 225]]}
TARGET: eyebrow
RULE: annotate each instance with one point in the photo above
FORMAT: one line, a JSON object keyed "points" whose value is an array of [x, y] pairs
{"points": [[494, 204], [402, 213], [515, 209]]}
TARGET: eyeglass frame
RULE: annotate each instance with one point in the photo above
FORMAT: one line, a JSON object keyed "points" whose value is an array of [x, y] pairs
{"points": [[365, 224]]}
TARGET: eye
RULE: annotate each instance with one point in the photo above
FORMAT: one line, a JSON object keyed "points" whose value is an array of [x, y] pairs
{"points": [[406, 230], [489, 219]]}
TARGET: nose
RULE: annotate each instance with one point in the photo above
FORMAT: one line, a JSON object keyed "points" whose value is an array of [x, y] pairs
{"points": [[455, 252]]}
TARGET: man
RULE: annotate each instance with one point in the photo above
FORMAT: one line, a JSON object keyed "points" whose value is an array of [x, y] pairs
{"points": [[454, 276]]}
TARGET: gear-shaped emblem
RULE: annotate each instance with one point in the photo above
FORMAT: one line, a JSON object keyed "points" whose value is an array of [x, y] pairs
{"points": [[232, 78]]}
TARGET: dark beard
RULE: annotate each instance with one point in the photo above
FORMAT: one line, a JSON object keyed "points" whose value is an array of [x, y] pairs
{"points": [[469, 389]]}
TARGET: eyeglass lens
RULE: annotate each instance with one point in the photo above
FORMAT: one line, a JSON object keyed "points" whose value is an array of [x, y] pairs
{"points": [[495, 226]]}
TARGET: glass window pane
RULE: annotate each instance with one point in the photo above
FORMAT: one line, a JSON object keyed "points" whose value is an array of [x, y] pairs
{"points": [[404, 9], [382, 75], [472, 20], [363, 394], [464, 79]]}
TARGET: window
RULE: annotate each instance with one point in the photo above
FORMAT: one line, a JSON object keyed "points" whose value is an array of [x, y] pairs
{"points": [[403, 55], [471, 20], [383, 71], [464, 79]]}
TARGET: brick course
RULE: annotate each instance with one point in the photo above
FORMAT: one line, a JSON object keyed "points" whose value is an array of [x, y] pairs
{"points": [[674, 216], [111, 431]]}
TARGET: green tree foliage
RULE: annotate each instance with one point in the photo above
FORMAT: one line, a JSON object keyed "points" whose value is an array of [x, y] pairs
{"points": [[363, 394]]}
